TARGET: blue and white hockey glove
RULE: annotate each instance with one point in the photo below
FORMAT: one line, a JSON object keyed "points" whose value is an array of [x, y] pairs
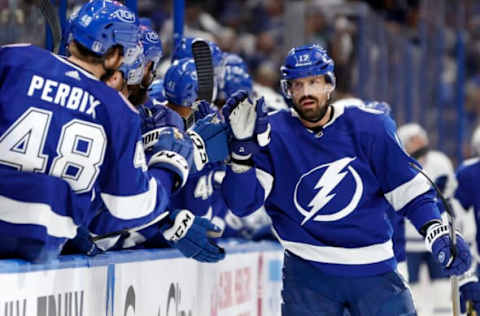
{"points": [[201, 109], [172, 150], [438, 242], [248, 124], [190, 235], [470, 292], [158, 116], [210, 141]]}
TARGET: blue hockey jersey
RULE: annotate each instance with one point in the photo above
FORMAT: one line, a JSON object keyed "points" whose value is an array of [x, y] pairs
{"points": [[327, 191], [58, 119], [467, 191]]}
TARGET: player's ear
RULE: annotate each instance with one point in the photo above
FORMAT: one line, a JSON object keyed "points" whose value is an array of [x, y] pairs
{"points": [[115, 81], [330, 89]]}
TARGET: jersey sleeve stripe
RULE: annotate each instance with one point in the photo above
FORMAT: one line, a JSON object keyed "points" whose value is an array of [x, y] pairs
{"points": [[18, 212], [132, 206], [339, 255], [403, 194], [266, 181]]}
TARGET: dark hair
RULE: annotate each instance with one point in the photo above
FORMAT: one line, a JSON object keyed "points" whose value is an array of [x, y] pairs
{"points": [[92, 57]]}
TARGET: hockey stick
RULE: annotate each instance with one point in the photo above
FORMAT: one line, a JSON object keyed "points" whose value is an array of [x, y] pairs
{"points": [[203, 62], [453, 237], [131, 230], [51, 16], [156, 220]]}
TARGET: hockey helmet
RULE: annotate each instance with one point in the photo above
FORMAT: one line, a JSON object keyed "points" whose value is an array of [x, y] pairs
{"points": [[181, 83], [306, 61], [234, 76], [102, 24]]}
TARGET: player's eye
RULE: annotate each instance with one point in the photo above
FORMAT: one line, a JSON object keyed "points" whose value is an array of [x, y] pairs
{"points": [[296, 85]]}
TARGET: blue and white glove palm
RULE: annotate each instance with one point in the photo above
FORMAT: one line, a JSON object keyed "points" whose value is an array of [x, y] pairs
{"points": [[438, 242], [248, 124], [169, 148], [190, 235], [210, 141]]}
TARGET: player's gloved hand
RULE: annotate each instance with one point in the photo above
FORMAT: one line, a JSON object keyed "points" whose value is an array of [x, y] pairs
{"points": [[190, 235], [83, 242], [470, 292], [438, 242], [172, 150], [158, 116], [201, 109], [248, 124], [210, 141]]}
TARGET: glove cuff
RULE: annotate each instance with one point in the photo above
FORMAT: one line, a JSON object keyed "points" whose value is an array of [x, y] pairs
{"points": [[182, 222], [434, 232], [150, 138], [239, 167], [200, 156], [172, 161]]}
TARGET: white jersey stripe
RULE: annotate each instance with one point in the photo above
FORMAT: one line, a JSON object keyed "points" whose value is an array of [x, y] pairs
{"points": [[266, 181], [132, 206], [19, 212], [338, 255], [401, 195]]}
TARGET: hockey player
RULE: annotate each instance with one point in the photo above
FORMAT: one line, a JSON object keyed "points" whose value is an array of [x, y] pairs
{"points": [[438, 166], [466, 193], [57, 118], [327, 174], [234, 76], [152, 47]]}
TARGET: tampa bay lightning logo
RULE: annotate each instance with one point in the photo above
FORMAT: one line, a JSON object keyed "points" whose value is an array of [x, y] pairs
{"points": [[152, 37], [124, 15], [333, 190]]}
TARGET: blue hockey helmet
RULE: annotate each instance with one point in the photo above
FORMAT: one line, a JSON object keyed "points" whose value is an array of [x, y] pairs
{"points": [[306, 61], [146, 21], [181, 83], [102, 24], [234, 76], [152, 46], [157, 91], [133, 73]]}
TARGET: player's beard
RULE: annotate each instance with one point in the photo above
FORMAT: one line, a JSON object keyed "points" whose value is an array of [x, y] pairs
{"points": [[314, 114], [138, 95]]}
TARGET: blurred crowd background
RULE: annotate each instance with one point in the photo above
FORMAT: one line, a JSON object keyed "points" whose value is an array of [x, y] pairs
{"points": [[420, 56]]}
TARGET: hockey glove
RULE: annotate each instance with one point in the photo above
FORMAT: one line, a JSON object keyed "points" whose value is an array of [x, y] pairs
{"points": [[470, 292], [248, 125], [158, 116], [201, 109], [209, 137], [172, 150], [190, 235], [84, 244], [438, 242]]}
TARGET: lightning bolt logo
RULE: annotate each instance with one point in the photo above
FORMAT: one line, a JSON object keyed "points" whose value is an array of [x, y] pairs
{"points": [[330, 179]]}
